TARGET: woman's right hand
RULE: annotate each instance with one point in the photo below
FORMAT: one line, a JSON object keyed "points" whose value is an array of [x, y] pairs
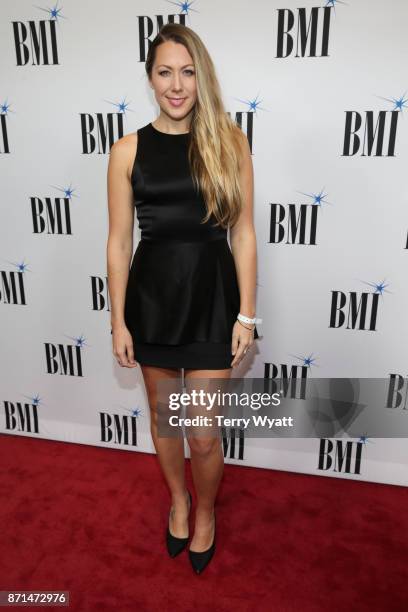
{"points": [[122, 343]]}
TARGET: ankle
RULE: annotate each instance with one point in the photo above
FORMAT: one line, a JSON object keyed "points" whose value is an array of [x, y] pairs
{"points": [[180, 498], [205, 514]]}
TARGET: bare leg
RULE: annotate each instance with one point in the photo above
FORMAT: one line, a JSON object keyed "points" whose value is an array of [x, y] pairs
{"points": [[170, 452], [207, 466]]}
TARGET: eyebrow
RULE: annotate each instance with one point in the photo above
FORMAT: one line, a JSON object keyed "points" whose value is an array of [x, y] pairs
{"points": [[165, 65]]}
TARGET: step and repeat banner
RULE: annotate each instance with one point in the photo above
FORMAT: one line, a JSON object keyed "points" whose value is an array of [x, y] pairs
{"points": [[320, 89]]}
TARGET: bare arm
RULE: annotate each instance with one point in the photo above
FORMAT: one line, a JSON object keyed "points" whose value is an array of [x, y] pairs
{"points": [[243, 239], [243, 248], [120, 242]]}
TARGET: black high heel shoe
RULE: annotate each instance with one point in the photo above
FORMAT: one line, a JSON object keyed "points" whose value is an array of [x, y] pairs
{"points": [[200, 560], [176, 545]]}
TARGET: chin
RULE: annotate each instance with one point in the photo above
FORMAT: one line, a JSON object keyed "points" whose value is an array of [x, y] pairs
{"points": [[177, 113]]}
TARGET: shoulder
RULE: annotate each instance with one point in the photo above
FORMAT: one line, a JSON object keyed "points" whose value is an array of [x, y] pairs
{"points": [[122, 145], [123, 151]]}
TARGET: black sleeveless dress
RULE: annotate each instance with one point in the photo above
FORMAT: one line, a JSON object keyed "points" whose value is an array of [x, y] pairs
{"points": [[182, 296]]}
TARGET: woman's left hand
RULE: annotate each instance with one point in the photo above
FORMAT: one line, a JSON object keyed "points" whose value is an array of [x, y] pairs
{"points": [[242, 339]]}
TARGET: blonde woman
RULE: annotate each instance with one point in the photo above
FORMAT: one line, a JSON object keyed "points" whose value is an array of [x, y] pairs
{"points": [[188, 174]]}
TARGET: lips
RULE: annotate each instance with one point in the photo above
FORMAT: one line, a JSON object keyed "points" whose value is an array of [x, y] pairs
{"points": [[176, 101]]}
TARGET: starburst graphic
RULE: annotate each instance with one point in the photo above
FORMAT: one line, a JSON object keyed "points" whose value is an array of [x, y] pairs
{"points": [[5, 108], [54, 12], [36, 401], [133, 412], [21, 267], [306, 361], [378, 287], [185, 7], [332, 4], [67, 191], [253, 105], [122, 106], [318, 198], [79, 340], [136, 412], [399, 103], [364, 439]]}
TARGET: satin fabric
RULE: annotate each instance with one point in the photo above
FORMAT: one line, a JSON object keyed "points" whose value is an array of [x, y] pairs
{"points": [[182, 285]]}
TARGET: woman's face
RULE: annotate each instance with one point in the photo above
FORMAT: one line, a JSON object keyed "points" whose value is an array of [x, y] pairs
{"points": [[173, 80]]}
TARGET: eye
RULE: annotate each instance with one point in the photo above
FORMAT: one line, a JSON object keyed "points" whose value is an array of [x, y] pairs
{"points": [[188, 71]]}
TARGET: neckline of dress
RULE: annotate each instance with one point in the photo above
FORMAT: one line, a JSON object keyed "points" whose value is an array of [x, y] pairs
{"points": [[166, 133]]}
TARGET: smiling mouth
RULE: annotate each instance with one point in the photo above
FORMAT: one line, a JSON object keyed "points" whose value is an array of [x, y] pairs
{"points": [[176, 101]]}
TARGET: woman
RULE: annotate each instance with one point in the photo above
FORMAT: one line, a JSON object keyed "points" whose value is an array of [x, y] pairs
{"points": [[189, 175]]}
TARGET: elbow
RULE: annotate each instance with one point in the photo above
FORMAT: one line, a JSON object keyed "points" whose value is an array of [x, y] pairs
{"points": [[243, 238], [119, 246]]}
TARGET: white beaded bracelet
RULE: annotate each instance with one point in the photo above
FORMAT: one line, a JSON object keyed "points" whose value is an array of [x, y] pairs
{"points": [[245, 319]]}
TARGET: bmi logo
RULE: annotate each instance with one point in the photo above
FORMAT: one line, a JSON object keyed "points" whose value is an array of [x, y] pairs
{"points": [[22, 416], [340, 456], [233, 442], [397, 392], [148, 28], [4, 139], [373, 133], [100, 130], [36, 42], [356, 310], [308, 30], [51, 215], [64, 359], [289, 379], [100, 293], [295, 223], [12, 287], [119, 428]]}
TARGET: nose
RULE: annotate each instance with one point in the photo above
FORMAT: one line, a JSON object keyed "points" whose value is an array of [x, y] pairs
{"points": [[176, 85]]}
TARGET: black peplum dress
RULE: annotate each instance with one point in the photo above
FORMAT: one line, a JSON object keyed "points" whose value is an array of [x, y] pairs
{"points": [[182, 296]]}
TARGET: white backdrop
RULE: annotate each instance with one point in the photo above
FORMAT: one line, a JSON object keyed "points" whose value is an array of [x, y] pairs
{"points": [[310, 105]]}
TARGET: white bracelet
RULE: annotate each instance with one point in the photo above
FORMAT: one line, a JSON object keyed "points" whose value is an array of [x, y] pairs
{"points": [[245, 319]]}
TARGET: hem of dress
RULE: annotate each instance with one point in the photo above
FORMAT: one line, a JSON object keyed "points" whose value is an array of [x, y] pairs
{"points": [[194, 355]]}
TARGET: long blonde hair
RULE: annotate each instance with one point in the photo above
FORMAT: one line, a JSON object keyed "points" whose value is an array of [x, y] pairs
{"points": [[215, 138]]}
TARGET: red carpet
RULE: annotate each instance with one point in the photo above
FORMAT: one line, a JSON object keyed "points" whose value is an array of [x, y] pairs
{"points": [[91, 521]]}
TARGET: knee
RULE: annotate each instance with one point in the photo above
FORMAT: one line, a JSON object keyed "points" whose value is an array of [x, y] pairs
{"points": [[203, 446]]}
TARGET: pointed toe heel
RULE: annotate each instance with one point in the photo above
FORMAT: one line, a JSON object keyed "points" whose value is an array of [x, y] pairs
{"points": [[176, 545], [200, 560]]}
